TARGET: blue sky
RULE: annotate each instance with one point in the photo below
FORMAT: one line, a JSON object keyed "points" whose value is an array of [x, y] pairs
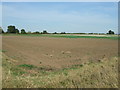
{"points": [[61, 16]]}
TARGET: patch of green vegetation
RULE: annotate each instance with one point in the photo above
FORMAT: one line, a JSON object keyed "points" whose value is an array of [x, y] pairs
{"points": [[99, 37], [17, 71], [67, 36], [3, 51], [27, 66], [73, 67], [65, 73]]}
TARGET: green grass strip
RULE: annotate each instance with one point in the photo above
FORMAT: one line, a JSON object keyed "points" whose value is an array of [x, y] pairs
{"points": [[65, 36]]}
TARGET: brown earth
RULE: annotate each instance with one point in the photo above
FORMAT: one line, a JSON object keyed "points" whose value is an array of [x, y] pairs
{"points": [[57, 52]]}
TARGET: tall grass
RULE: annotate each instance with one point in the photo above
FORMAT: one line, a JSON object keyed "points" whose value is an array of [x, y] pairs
{"points": [[90, 75]]}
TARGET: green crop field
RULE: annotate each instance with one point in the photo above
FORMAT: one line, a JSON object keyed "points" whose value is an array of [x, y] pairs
{"points": [[114, 37]]}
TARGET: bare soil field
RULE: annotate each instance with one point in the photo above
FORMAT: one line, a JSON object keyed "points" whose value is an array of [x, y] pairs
{"points": [[58, 53], [40, 61]]}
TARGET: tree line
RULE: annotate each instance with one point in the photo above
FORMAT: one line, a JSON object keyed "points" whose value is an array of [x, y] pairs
{"points": [[13, 30]]}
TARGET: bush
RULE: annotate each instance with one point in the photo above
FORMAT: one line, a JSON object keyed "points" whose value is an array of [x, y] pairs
{"points": [[23, 31], [44, 32], [62, 33], [110, 32], [55, 33]]}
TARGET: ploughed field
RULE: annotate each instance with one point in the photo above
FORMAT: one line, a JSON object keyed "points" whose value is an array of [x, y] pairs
{"points": [[58, 53]]}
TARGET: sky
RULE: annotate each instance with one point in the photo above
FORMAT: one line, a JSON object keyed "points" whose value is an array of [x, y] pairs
{"points": [[74, 17]]}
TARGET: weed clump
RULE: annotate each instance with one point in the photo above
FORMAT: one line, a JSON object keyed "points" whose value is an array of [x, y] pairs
{"points": [[27, 66]]}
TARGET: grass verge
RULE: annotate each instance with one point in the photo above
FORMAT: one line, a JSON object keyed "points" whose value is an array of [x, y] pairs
{"points": [[90, 75]]}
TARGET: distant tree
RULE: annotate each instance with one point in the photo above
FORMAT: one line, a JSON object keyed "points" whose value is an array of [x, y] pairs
{"points": [[62, 33], [1, 30], [36, 32], [55, 33], [91, 33], [17, 31], [29, 32], [11, 29], [110, 32], [45, 32], [82, 33], [23, 31]]}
